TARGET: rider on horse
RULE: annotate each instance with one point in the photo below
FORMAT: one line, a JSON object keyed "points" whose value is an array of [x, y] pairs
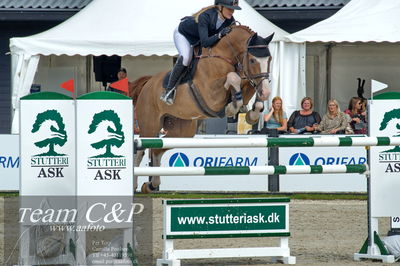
{"points": [[206, 27]]}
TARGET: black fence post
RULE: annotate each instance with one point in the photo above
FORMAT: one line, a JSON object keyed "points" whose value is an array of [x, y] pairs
{"points": [[273, 154]]}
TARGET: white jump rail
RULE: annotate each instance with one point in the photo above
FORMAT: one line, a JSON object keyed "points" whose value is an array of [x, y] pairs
{"points": [[168, 143]]}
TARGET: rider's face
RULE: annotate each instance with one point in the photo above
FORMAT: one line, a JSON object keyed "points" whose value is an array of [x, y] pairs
{"points": [[227, 12]]}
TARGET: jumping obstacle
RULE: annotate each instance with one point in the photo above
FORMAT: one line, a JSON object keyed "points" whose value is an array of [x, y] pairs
{"points": [[169, 143], [78, 164], [172, 256], [381, 171], [371, 249]]}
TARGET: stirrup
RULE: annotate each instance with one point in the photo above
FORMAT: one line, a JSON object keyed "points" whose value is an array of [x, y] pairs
{"points": [[168, 97]]}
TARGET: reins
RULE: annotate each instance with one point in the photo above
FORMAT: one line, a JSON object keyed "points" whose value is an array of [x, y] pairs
{"points": [[229, 61], [242, 66]]}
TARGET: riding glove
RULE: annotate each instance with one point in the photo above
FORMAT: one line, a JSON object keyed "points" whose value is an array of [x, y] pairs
{"points": [[224, 32]]}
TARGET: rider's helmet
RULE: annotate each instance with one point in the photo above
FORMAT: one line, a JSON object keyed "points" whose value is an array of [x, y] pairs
{"points": [[232, 4]]}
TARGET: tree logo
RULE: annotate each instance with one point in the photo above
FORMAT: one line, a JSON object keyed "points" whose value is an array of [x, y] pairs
{"points": [[389, 116], [56, 134], [114, 134]]}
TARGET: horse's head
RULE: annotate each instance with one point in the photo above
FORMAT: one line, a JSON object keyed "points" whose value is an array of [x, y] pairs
{"points": [[256, 65], [253, 58]]}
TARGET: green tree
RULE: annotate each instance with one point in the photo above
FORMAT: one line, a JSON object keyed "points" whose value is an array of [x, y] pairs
{"points": [[115, 138], [394, 114], [58, 136]]}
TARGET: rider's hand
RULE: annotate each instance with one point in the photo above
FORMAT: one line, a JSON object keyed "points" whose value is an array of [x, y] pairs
{"points": [[224, 32]]}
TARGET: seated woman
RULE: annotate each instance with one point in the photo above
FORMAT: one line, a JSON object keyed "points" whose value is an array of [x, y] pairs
{"points": [[357, 115], [304, 120], [334, 121], [276, 118]]}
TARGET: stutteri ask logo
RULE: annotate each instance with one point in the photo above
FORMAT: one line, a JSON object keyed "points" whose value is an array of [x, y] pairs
{"points": [[299, 159], [113, 134], [391, 158], [389, 116], [50, 129], [108, 128], [179, 159], [55, 133]]}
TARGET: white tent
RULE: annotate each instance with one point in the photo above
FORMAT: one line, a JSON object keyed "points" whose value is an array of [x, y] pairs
{"points": [[131, 27], [358, 21], [360, 40]]}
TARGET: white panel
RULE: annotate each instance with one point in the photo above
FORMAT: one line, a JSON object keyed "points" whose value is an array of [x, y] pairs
{"points": [[385, 161], [50, 174], [101, 171], [322, 156], [216, 157]]}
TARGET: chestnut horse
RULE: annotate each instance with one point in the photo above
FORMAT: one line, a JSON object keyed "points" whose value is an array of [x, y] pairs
{"points": [[239, 61]]}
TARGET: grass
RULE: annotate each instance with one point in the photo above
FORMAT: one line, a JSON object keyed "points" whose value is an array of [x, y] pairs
{"points": [[188, 195], [302, 196], [9, 194]]}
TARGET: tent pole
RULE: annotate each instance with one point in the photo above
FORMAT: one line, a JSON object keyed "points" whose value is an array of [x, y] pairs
{"points": [[328, 71], [88, 73]]}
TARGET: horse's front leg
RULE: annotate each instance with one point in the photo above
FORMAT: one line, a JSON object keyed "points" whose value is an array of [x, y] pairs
{"points": [[253, 115], [138, 158], [234, 80], [149, 187]]}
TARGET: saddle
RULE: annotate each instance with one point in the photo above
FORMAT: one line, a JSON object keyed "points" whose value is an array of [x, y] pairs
{"points": [[188, 74], [187, 77]]}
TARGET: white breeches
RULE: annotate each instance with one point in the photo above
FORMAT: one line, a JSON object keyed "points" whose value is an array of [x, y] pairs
{"points": [[184, 47]]}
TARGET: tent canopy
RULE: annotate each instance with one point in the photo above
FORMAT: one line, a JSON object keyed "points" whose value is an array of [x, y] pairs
{"points": [[128, 27], [358, 21], [133, 27]]}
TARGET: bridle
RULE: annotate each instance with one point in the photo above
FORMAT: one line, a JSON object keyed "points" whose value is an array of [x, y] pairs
{"points": [[254, 79], [242, 66]]}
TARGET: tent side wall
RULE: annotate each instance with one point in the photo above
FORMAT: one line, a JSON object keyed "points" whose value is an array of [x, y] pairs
{"points": [[338, 79], [53, 70]]}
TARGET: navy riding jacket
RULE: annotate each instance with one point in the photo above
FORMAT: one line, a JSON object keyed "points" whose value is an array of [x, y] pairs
{"points": [[204, 32]]}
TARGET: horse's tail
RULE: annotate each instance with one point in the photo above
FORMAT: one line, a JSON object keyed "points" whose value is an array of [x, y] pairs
{"points": [[136, 86]]}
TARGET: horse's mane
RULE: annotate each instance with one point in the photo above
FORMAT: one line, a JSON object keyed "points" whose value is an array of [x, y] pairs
{"points": [[135, 87], [246, 28]]}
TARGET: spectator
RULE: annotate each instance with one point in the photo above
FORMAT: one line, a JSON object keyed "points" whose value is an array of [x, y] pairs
{"points": [[357, 115], [334, 121], [304, 120], [121, 75], [276, 118]]}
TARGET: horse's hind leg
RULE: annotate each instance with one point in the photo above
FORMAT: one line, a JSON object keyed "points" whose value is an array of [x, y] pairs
{"points": [[175, 128]]}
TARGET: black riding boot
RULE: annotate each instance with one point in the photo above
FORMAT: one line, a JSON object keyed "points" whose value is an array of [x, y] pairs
{"points": [[169, 93]]}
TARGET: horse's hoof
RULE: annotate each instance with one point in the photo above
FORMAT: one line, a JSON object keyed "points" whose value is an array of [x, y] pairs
{"points": [[146, 188]]}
